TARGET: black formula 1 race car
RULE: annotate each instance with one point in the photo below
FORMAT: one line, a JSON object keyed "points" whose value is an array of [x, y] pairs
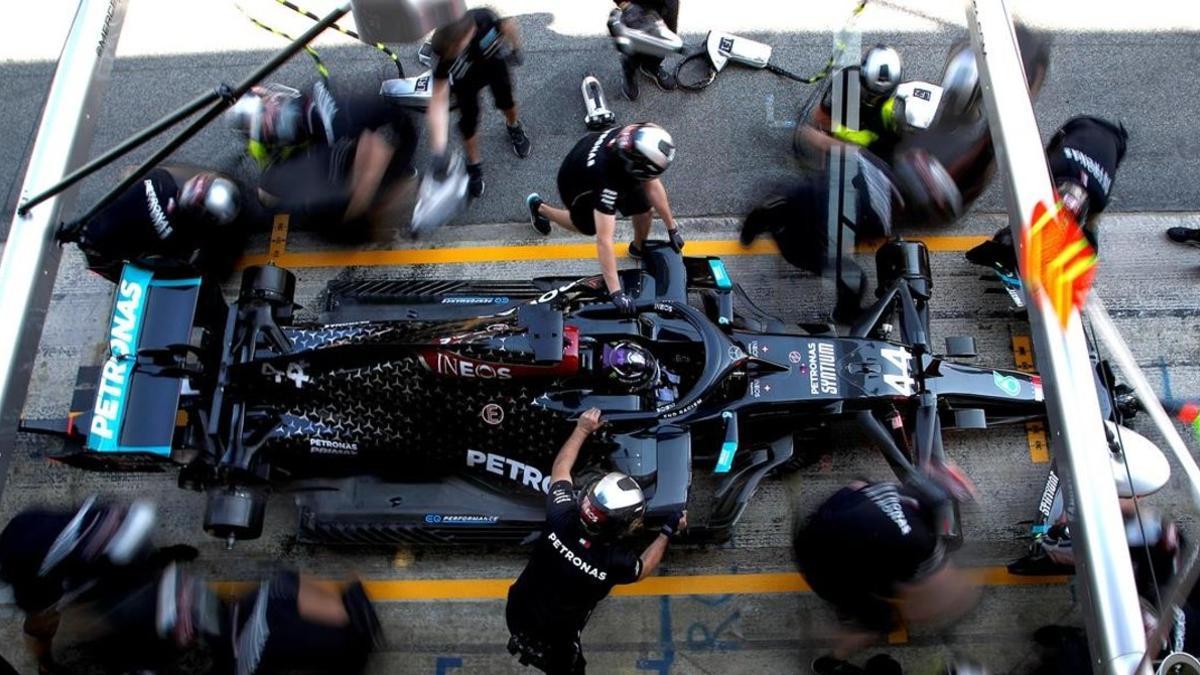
{"points": [[430, 411]]}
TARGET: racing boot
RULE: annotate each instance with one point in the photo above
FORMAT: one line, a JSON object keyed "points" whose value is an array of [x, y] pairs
{"points": [[540, 223], [660, 76], [762, 219], [1185, 235], [475, 184], [520, 140], [996, 253], [629, 83]]}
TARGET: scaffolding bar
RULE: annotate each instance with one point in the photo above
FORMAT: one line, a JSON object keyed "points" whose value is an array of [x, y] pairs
{"points": [[1104, 571], [30, 261]]}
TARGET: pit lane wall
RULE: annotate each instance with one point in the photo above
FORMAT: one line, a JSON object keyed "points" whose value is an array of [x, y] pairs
{"points": [[1104, 569], [30, 261]]}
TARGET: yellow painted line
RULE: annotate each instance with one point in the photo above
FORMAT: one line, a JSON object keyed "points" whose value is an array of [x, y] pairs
{"points": [[425, 590], [279, 231], [1039, 443], [1035, 432], [450, 255]]}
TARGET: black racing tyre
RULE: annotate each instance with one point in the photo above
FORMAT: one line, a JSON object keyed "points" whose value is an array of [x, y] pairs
{"points": [[267, 282], [235, 513]]}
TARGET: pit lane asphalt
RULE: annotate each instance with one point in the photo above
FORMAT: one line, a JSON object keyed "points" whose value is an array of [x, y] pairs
{"points": [[739, 632], [1117, 61], [1148, 284]]}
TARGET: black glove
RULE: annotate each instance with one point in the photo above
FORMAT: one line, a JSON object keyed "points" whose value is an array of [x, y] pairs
{"points": [[439, 165], [676, 240], [670, 527], [623, 302], [69, 232]]}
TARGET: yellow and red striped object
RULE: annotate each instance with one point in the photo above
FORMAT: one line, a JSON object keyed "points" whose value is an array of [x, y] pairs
{"points": [[1059, 263]]}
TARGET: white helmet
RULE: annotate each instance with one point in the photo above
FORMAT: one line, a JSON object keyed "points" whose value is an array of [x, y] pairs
{"points": [[880, 72], [612, 506], [646, 148], [270, 114], [211, 196]]}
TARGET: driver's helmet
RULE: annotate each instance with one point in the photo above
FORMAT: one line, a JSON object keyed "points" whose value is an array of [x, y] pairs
{"points": [[880, 73], [646, 149], [271, 115], [211, 198], [612, 506], [630, 364]]}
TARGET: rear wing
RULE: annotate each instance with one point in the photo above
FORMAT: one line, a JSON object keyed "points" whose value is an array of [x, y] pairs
{"points": [[124, 413], [135, 408]]}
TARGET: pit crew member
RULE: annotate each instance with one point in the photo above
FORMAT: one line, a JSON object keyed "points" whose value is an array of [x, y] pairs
{"points": [[578, 560], [606, 172]]}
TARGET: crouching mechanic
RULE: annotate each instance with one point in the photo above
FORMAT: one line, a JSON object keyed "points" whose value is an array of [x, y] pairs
{"points": [[1083, 156], [606, 172], [340, 161], [578, 559], [162, 217], [871, 551]]}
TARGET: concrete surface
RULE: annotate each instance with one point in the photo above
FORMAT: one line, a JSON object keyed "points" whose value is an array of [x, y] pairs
{"points": [[1115, 60]]}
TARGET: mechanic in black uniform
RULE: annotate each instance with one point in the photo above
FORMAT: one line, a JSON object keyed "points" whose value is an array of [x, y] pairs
{"points": [[795, 214], [1083, 156], [295, 623], [157, 218], [606, 172], [52, 557], [329, 158], [879, 75], [578, 559], [470, 55], [650, 66], [871, 552]]}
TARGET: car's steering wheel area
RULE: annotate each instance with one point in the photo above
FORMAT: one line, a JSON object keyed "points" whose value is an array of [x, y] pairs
{"points": [[719, 354]]}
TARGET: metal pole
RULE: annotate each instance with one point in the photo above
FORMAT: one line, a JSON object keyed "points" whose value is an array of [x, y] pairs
{"points": [[119, 151], [215, 111], [1103, 567], [843, 197], [30, 261], [1119, 352]]}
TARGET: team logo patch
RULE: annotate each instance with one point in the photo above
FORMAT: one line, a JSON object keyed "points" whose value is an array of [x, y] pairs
{"points": [[1007, 384], [492, 413]]}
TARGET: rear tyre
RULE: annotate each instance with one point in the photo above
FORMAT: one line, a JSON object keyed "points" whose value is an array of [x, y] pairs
{"points": [[235, 513], [275, 285]]}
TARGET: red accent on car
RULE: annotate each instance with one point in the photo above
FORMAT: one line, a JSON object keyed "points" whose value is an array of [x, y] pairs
{"points": [[449, 363], [1038, 394]]}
